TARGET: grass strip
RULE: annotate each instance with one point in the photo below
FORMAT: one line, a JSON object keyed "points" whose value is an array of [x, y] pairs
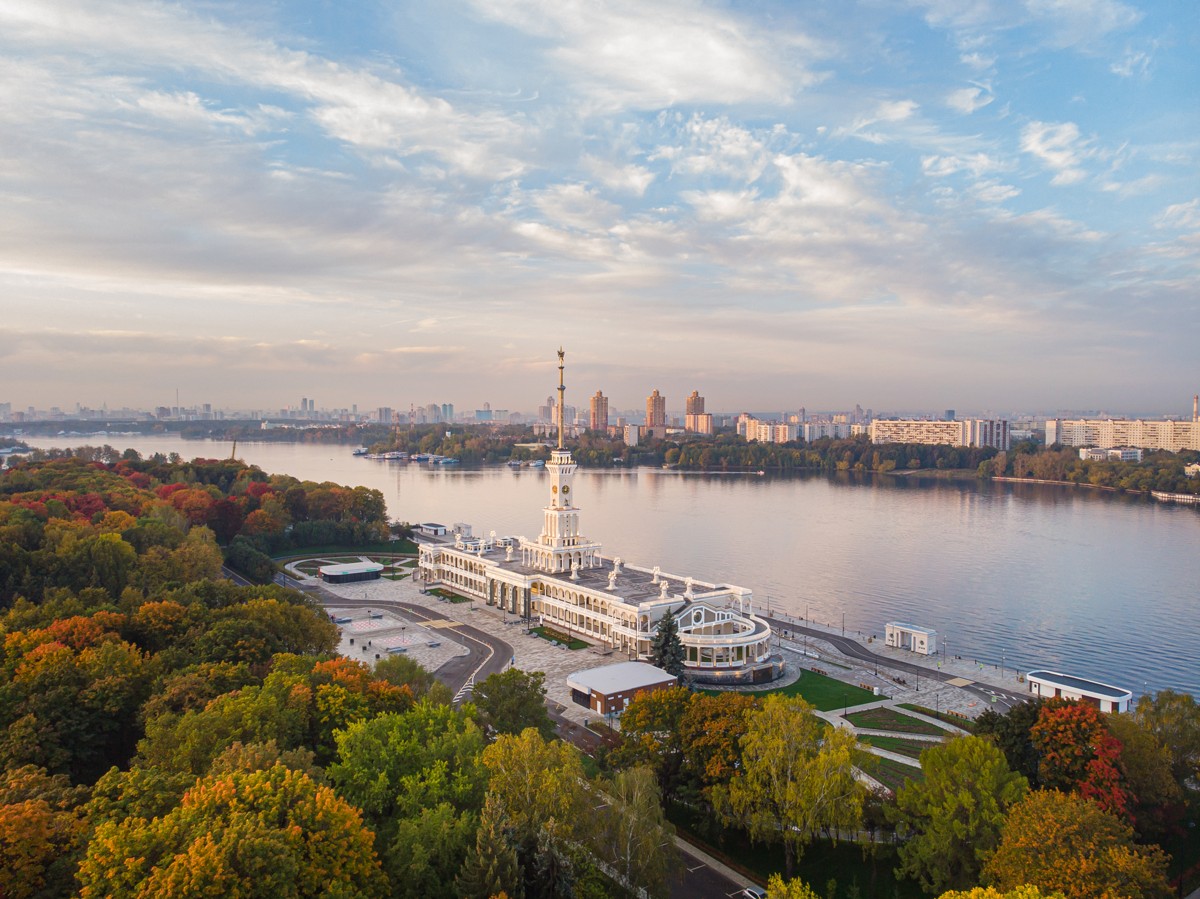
{"points": [[889, 719]]}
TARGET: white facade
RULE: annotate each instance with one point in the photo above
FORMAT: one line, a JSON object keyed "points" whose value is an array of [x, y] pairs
{"points": [[562, 579], [1115, 454], [1053, 685], [967, 432], [920, 640], [1172, 436]]}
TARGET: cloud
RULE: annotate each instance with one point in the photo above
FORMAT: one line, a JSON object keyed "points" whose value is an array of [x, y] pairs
{"points": [[627, 179], [1132, 63], [1181, 216], [1082, 22], [651, 55], [888, 112], [370, 110], [1059, 148], [968, 99]]}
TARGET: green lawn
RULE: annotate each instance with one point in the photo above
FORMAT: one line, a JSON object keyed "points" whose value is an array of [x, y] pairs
{"points": [[451, 596], [826, 693], [965, 723], [555, 637], [910, 748], [889, 772], [890, 719]]}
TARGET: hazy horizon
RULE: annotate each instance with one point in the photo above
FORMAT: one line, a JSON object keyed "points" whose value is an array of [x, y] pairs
{"points": [[914, 205]]}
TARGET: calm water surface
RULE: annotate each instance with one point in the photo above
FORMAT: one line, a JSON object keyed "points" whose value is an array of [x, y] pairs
{"points": [[1075, 580]]}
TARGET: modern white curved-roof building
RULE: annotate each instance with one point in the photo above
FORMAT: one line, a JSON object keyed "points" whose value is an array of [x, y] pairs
{"points": [[563, 579]]}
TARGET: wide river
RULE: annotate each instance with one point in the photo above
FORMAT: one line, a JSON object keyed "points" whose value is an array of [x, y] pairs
{"points": [[1078, 581]]}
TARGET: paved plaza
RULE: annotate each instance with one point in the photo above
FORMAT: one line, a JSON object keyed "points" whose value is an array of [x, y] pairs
{"points": [[530, 652]]}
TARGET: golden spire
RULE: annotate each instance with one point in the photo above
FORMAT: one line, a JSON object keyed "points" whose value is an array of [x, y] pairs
{"points": [[561, 395]]}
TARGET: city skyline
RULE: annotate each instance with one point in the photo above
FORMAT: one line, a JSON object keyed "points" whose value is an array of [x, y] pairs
{"points": [[917, 205]]}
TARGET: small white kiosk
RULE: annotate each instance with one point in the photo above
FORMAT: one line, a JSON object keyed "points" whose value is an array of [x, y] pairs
{"points": [[1105, 697], [908, 636]]}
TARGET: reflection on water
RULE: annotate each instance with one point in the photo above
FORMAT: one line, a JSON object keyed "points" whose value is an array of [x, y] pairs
{"points": [[1088, 582]]}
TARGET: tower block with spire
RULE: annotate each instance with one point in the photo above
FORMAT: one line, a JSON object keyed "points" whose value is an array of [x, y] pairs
{"points": [[561, 547]]}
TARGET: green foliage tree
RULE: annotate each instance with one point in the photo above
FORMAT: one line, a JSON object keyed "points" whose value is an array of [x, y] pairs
{"points": [[427, 851], [666, 650], [1066, 843], [273, 833], [796, 779], [631, 832], [950, 822], [1145, 768], [538, 783], [402, 671], [1010, 731], [514, 700], [1174, 718], [492, 868]]}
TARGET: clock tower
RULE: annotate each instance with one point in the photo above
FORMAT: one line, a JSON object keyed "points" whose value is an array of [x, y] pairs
{"points": [[560, 548]]}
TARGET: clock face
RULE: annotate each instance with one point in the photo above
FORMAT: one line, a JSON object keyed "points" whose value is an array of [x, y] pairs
{"points": [[566, 489], [554, 489]]}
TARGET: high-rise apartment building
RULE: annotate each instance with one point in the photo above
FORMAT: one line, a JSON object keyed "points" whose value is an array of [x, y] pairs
{"points": [[598, 420], [1172, 436], [695, 403], [968, 432], [656, 410]]}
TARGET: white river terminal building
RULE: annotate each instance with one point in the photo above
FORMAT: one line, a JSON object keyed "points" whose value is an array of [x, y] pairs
{"points": [[562, 579]]}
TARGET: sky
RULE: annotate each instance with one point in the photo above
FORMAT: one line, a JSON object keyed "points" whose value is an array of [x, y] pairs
{"points": [[986, 205]]}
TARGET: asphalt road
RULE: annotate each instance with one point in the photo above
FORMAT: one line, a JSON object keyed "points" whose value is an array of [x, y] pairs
{"points": [[486, 655]]}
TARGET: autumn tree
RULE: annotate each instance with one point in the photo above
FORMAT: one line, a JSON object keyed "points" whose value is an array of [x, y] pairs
{"points": [[778, 888], [270, 834], [42, 833], [1065, 842], [650, 727], [1025, 891], [1077, 752], [796, 780], [950, 821], [710, 732]]}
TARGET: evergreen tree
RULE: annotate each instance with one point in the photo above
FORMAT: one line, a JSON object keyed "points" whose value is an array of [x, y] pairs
{"points": [[666, 652], [492, 868]]}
